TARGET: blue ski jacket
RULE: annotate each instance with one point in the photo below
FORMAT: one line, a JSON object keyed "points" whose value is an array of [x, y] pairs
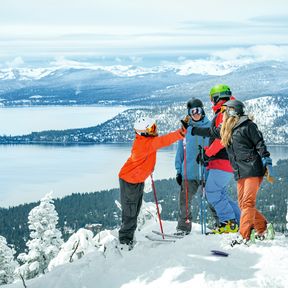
{"points": [[192, 150]]}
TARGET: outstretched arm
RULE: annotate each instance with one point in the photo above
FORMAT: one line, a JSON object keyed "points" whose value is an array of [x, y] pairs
{"points": [[166, 140]]}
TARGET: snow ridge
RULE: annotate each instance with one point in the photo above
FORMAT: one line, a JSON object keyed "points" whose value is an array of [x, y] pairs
{"points": [[186, 263]]}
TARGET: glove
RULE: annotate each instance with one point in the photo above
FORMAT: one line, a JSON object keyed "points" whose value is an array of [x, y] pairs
{"points": [[270, 174], [179, 179], [192, 133], [185, 121], [266, 161], [202, 158]]}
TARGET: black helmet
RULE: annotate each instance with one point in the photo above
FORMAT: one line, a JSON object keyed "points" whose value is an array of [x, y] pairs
{"points": [[194, 103], [237, 106]]}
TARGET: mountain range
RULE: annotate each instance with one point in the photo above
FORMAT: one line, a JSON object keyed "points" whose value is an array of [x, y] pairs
{"points": [[160, 92], [133, 85], [270, 114]]}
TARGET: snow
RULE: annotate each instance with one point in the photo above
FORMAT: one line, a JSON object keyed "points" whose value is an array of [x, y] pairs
{"points": [[186, 263], [45, 239], [215, 65]]}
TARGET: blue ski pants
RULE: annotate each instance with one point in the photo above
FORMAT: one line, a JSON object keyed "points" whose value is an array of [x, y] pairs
{"points": [[217, 195]]}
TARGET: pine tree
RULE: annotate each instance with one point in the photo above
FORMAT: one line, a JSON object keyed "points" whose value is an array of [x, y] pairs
{"points": [[79, 244], [45, 239], [7, 262], [287, 217]]}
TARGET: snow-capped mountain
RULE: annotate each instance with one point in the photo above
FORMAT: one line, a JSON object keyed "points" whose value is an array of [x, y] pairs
{"points": [[187, 67], [135, 85], [270, 114]]}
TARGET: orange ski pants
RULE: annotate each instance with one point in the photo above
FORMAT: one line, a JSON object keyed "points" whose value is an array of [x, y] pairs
{"points": [[250, 217]]}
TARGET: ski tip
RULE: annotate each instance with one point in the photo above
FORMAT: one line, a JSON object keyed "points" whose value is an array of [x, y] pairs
{"points": [[219, 253]]}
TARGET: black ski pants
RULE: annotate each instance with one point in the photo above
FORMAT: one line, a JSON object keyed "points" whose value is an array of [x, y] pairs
{"points": [[131, 196], [193, 187]]}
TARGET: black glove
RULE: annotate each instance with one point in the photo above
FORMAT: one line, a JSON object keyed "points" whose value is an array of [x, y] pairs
{"points": [[179, 179], [192, 132], [185, 121], [185, 124]]}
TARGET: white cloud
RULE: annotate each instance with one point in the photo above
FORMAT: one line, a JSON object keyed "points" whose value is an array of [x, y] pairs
{"points": [[64, 62], [257, 53], [15, 63]]}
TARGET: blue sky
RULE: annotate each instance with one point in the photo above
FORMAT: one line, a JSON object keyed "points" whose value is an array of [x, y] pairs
{"points": [[137, 27]]}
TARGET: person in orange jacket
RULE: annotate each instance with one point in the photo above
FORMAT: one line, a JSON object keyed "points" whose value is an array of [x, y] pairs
{"points": [[137, 169]]}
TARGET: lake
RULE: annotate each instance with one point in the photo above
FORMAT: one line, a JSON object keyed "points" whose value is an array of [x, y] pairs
{"points": [[27, 172], [20, 121]]}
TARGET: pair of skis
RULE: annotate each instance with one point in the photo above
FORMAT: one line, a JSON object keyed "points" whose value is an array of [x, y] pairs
{"points": [[169, 238]]}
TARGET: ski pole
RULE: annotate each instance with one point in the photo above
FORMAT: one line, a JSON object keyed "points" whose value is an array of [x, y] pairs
{"points": [[157, 206], [203, 215], [204, 193], [201, 202], [185, 180]]}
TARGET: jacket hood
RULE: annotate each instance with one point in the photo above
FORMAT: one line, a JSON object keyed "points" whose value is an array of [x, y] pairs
{"points": [[242, 119]]}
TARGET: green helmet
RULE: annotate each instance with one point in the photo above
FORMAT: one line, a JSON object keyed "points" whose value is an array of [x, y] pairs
{"points": [[219, 92]]}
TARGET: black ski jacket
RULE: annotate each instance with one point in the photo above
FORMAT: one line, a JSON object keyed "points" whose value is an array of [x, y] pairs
{"points": [[213, 132], [246, 149]]}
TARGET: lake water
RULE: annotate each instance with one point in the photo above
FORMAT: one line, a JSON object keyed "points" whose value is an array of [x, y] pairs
{"points": [[20, 121], [27, 172]]}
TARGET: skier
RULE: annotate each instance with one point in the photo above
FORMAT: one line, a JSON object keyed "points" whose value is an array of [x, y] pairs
{"points": [[190, 170], [249, 158], [220, 171], [137, 169]]}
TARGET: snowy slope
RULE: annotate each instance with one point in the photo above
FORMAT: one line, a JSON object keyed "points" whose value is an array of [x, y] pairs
{"points": [[186, 263]]}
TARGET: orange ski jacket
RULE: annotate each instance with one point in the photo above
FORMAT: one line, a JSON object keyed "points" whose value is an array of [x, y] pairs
{"points": [[142, 160]]}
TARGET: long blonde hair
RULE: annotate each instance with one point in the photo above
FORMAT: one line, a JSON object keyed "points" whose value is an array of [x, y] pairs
{"points": [[226, 129]]}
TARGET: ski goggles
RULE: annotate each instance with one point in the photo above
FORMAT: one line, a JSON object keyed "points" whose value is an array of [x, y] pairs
{"points": [[196, 111], [223, 109], [152, 129], [220, 95], [231, 112]]}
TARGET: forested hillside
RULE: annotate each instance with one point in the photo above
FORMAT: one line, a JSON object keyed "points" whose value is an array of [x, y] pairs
{"points": [[83, 209]]}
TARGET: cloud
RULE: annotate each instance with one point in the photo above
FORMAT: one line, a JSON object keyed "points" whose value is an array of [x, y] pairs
{"points": [[271, 19], [255, 53], [15, 63], [63, 62]]}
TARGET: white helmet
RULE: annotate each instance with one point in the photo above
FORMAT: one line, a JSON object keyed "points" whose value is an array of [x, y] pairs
{"points": [[145, 126]]}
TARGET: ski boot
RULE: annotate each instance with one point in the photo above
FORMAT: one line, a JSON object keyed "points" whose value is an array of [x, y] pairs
{"points": [[226, 227], [240, 241], [253, 236], [180, 232], [270, 232], [126, 246]]}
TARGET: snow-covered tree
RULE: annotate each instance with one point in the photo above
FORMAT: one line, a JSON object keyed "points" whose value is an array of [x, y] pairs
{"points": [[7, 262], [45, 239], [287, 217], [79, 244]]}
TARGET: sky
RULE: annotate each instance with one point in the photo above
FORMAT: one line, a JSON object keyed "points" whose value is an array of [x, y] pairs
{"points": [[137, 27]]}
